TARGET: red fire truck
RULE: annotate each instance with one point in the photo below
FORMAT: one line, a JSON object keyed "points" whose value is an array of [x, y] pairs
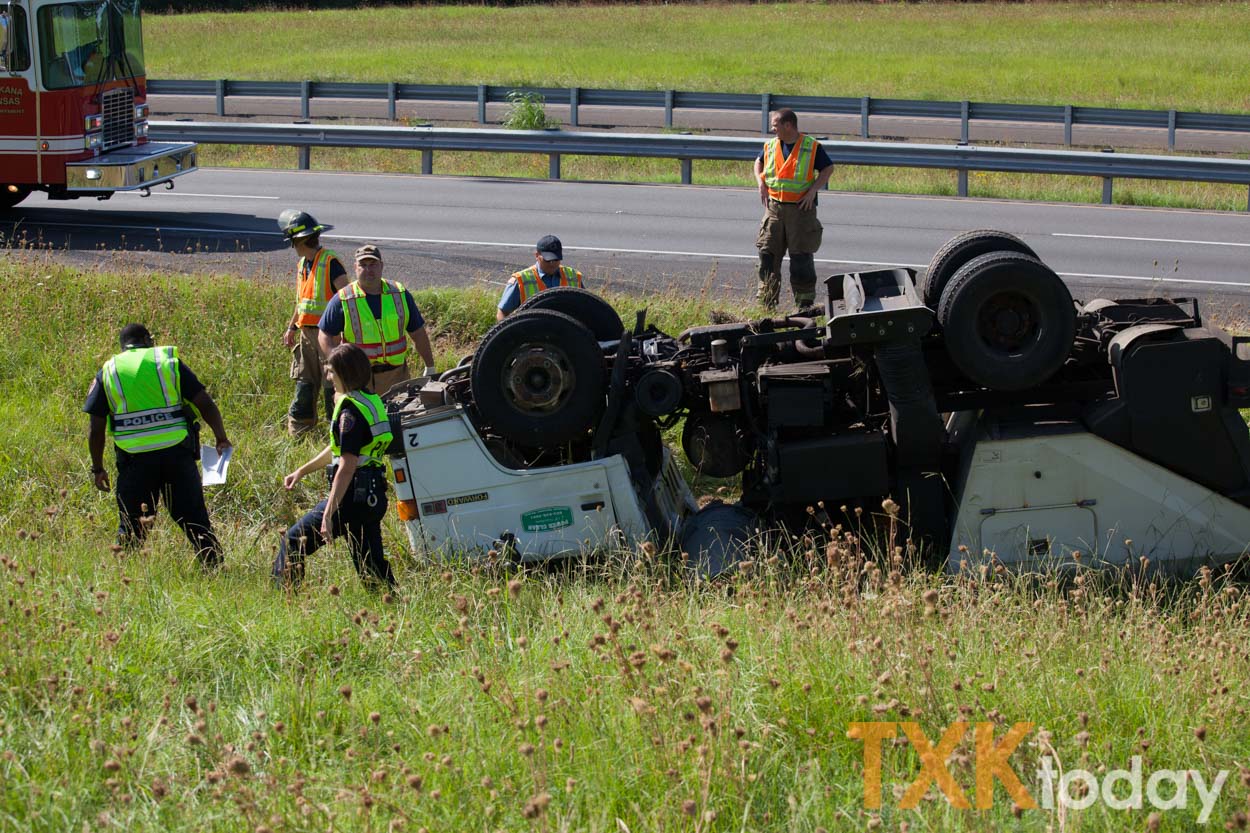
{"points": [[73, 111]]}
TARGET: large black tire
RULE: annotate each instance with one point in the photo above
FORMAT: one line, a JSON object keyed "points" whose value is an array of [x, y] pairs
{"points": [[592, 311], [537, 378], [8, 198], [1008, 321], [959, 250], [717, 538]]}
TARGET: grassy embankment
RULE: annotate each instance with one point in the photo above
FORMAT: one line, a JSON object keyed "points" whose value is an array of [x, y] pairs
{"points": [[137, 694], [1159, 56]]}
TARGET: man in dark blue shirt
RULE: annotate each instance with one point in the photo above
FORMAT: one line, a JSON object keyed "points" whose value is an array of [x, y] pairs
{"points": [[547, 272], [388, 358]]}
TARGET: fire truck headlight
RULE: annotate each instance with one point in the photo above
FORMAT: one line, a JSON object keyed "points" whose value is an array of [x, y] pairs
{"points": [[141, 129], [141, 112], [93, 173], [93, 141], [95, 122]]}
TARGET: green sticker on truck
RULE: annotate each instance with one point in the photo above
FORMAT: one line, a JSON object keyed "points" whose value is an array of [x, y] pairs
{"points": [[547, 518]]}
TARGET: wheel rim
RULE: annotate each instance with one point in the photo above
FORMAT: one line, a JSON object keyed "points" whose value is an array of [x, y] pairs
{"points": [[1007, 322], [538, 378]]}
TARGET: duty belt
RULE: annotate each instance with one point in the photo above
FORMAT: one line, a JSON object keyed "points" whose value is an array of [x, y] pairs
{"points": [[387, 368]]}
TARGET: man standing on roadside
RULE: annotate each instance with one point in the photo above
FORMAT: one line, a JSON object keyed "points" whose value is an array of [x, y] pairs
{"points": [[791, 170], [143, 398], [547, 272], [318, 275], [376, 315]]}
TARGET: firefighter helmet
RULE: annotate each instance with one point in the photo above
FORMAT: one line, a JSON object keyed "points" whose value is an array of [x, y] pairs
{"points": [[296, 224]]}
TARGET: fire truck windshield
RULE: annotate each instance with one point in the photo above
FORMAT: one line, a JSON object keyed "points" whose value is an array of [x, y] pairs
{"points": [[82, 44]]}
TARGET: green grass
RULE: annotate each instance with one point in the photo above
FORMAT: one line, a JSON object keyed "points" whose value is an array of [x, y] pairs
{"points": [[1158, 56], [138, 694], [1161, 56]]}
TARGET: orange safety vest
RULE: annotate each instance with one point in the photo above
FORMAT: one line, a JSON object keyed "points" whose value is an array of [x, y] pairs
{"points": [[384, 341], [530, 283], [314, 287], [788, 178]]}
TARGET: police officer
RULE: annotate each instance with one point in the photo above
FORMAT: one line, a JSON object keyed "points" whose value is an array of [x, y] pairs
{"points": [[359, 435], [143, 397], [547, 272], [791, 170], [376, 315], [318, 275]]}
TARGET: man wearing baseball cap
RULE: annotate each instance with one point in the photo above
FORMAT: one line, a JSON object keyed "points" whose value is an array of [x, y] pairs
{"points": [[379, 316], [546, 273]]}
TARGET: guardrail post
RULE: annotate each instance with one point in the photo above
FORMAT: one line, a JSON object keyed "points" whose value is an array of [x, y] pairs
{"points": [[305, 157], [1067, 124], [766, 104], [392, 93], [221, 97], [303, 99], [963, 121], [668, 108], [1171, 130], [481, 104], [1106, 182], [573, 97], [863, 117], [687, 171], [427, 161], [553, 166]]}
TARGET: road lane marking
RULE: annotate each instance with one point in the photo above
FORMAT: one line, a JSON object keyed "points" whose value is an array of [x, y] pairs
{"points": [[1153, 239], [209, 196], [592, 249], [1243, 284]]}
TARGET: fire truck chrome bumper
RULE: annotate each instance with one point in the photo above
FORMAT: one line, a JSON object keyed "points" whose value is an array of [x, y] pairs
{"points": [[128, 169]]}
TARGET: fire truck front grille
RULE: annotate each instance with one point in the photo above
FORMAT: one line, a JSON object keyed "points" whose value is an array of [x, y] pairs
{"points": [[119, 117]]}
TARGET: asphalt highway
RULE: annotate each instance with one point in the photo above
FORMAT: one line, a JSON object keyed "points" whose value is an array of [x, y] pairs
{"points": [[639, 239]]}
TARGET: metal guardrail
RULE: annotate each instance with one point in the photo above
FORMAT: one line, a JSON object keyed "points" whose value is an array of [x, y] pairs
{"points": [[865, 107], [961, 158]]}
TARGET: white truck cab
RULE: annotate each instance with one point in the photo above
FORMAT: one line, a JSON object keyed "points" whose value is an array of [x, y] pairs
{"points": [[457, 500]]}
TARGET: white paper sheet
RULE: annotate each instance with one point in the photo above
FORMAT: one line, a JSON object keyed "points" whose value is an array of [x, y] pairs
{"points": [[214, 465]]}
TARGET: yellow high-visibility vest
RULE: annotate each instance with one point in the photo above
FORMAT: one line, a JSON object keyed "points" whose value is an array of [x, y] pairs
{"points": [[144, 394], [385, 341]]}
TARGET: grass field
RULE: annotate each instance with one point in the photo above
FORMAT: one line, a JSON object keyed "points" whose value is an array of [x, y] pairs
{"points": [[1151, 55], [138, 694], [1175, 55]]}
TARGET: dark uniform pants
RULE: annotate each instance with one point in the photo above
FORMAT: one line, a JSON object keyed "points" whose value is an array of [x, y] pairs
{"points": [[356, 519], [173, 475], [787, 227]]}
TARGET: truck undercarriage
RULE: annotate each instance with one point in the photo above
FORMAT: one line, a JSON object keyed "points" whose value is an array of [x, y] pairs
{"points": [[1003, 419]]}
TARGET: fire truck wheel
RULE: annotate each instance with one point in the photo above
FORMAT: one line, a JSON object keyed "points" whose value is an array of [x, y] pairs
{"points": [[717, 538], [538, 377], [592, 311], [11, 195], [1008, 321], [959, 250]]}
